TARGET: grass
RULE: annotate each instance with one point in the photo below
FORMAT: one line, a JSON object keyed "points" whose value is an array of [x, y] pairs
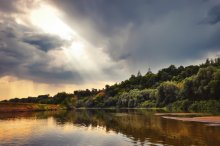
{"points": [[18, 107]]}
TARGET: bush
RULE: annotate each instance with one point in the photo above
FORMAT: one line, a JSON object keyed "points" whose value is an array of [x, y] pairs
{"points": [[179, 106], [205, 106], [135, 97], [148, 104]]}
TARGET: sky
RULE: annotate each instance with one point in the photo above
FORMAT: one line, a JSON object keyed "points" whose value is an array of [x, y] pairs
{"points": [[50, 46]]}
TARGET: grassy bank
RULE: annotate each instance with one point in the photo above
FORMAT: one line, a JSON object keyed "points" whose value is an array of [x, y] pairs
{"points": [[205, 106], [23, 107]]}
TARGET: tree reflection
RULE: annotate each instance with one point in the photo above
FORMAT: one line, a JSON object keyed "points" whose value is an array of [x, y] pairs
{"points": [[138, 125]]}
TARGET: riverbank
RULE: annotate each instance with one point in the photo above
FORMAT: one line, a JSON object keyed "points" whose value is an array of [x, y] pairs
{"points": [[24, 107], [209, 119]]}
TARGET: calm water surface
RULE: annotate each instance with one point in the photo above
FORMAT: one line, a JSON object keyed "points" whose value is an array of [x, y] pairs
{"points": [[102, 128]]}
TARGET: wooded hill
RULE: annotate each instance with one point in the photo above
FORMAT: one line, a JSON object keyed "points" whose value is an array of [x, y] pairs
{"points": [[190, 88]]}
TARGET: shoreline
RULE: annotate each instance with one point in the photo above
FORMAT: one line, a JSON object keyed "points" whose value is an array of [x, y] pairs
{"points": [[210, 120], [31, 107], [27, 107]]}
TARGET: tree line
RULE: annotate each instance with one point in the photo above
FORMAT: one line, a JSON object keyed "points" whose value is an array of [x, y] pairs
{"points": [[194, 87]]}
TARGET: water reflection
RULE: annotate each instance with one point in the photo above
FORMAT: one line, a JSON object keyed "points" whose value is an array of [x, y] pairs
{"points": [[102, 127]]}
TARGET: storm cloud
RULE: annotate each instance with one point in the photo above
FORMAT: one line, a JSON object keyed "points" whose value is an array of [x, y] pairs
{"points": [[153, 33], [112, 39], [44, 42], [214, 15], [24, 54], [8, 6]]}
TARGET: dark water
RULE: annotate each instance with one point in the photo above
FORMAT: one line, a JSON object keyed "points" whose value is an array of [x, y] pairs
{"points": [[102, 128]]}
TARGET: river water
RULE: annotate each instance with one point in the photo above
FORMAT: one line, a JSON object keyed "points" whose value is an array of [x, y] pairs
{"points": [[102, 128]]}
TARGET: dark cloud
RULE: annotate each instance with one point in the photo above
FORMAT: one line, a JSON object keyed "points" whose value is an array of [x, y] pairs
{"points": [[124, 56], [153, 33], [44, 73], [133, 35], [8, 6], [214, 15], [44, 42], [24, 54]]}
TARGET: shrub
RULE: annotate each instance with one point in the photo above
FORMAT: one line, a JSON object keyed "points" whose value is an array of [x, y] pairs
{"points": [[205, 106], [179, 106], [148, 104]]}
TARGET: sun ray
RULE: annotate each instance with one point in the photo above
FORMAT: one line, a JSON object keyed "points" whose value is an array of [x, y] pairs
{"points": [[78, 53], [45, 18]]}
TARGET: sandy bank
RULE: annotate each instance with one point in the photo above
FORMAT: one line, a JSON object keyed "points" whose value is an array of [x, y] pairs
{"points": [[207, 119]]}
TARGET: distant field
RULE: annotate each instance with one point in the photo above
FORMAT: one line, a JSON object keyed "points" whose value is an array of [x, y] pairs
{"points": [[14, 107]]}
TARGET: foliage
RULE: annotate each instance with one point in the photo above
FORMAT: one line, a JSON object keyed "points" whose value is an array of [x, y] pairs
{"points": [[178, 106], [205, 106], [168, 92], [195, 87]]}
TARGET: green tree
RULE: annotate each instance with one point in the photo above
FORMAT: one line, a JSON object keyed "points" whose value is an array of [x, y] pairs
{"points": [[168, 92]]}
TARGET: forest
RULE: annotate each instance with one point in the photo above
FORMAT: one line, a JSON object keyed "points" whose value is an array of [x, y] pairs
{"points": [[190, 88]]}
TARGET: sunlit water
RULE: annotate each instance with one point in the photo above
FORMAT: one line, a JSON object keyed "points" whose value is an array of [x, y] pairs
{"points": [[102, 128]]}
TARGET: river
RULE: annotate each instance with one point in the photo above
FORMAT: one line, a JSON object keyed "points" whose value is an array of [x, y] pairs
{"points": [[102, 128]]}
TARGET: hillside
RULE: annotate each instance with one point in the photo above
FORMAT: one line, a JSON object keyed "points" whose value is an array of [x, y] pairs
{"points": [[191, 88]]}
